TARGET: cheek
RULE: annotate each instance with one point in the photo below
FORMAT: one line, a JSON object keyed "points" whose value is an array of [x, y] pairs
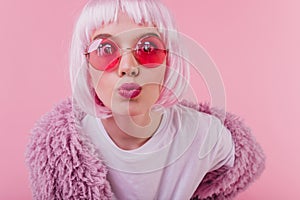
{"points": [[105, 86], [153, 80], [103, 82], [154, 76]]}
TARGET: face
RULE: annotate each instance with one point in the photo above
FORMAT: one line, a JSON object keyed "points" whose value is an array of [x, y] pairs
{"points": [[129, 85]]}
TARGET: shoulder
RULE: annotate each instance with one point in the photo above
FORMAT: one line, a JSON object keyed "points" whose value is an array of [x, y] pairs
{"points": [[59, 153], [206, 130], [247, 160], [53, 132], [212, 139], [193, 118], [186, 112], [56, 124]]}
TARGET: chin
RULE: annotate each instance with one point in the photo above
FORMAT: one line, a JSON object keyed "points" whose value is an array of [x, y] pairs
{"points": [[130, 112], [139, 105]]}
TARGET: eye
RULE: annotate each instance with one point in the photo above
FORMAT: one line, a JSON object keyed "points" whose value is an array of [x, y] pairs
{"points": [[150, 45], [106, 49], [147, 47], [150, 51]]}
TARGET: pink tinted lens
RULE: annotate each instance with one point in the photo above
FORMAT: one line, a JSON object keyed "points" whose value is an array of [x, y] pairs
{"points": [[103, 54], [150, 51]]}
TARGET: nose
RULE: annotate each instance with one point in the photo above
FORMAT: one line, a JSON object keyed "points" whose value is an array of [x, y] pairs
{"points": [[127, 64]]}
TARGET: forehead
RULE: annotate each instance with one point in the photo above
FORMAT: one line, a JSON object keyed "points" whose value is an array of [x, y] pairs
{"points": [[125, 28]]}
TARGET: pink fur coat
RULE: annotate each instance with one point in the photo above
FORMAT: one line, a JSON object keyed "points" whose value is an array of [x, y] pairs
{"points": [[64, 163]]}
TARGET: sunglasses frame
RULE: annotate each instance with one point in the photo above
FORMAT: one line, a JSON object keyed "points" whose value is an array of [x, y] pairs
{"points": [[95, 44]]}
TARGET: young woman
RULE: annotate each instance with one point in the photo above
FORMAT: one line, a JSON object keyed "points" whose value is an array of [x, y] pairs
{"points": [[125, 134]]}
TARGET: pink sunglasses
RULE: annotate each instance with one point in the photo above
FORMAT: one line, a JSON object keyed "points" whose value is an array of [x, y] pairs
{"points": [[105, 55]]}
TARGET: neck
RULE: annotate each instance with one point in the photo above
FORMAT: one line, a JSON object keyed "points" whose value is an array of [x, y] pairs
{"points": [[131, 132]]}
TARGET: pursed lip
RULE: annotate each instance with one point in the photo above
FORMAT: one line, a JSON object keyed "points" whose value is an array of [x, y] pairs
{"points": [[129, 90]]}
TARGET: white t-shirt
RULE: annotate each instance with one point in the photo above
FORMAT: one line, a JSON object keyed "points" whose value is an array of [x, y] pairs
{"points": [[173, 162]]}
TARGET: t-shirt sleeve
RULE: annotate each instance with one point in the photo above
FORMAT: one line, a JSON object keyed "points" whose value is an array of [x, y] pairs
{"points": [[218, 146]]}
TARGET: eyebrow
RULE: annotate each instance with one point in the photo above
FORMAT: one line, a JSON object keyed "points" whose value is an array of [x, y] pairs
{"points": [[102, 35], [106, 35], [151, 33]]}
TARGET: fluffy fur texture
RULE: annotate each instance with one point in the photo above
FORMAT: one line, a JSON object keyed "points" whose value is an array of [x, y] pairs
{"points": [[64, 164]]}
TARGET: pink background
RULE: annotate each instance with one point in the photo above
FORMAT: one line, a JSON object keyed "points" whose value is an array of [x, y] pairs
{"points": [[255, 44]]}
